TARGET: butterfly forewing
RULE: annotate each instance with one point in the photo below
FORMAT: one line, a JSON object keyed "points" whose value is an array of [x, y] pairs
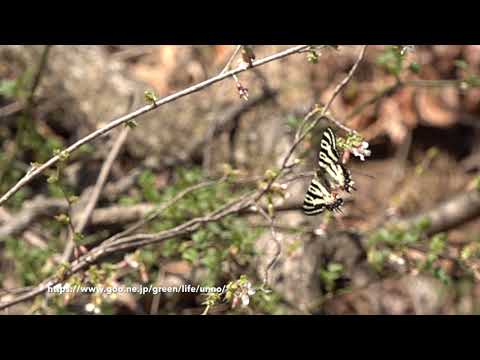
{"points": [[329, 161]]}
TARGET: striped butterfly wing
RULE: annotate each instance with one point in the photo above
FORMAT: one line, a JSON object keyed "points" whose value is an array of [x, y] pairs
{"points": [[329, 161], [319, 198]]}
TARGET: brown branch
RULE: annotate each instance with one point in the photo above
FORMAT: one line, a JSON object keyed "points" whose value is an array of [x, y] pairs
{"points": [[157, 211], [36, 81], [451, 213], [278, 250], [34, 172], [40, 206], [110, 215], [31, 210], [30, 236], [12, 108]]}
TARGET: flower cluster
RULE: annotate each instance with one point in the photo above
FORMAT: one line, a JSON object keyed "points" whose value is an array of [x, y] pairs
{"points": [[361, 151], [239, 292]]}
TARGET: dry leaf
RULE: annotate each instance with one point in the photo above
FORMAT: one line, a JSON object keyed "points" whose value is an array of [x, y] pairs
{"points": [[433, 110]]}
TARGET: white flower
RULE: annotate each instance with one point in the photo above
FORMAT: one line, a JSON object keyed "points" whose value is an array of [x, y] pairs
{"points": [[245, 300], [361, 151], [246, 292], [407, 48], [243, 294], [90, 307]]}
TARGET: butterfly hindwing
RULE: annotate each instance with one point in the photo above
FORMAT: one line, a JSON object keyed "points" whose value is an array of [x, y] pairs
{"points": [[319, 197]]}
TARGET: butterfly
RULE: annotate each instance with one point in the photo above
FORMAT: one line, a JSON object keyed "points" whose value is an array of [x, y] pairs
{"points": [[322, 195]]}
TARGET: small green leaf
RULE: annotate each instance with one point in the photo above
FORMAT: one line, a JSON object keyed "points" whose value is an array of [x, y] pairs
{"points": [[62, 154], [8, 88], [190, 254], [52, 179], [132, 124], [415, 67], [335, 267], [312, 57], [440, 274], [437, 244], [78, 237], [462, 64], [150, 96], [63, 219], [72, 199], [477, 183]]}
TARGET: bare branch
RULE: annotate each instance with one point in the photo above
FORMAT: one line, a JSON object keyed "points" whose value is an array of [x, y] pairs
{"points": [[449, 214], [40, 206], [232, 57], [278, 250], [95, 194]]}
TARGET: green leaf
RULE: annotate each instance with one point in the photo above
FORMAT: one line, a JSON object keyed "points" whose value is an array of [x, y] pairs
{"points": [[190, 254], [78, 237], [52, 179], [150, 96], [415, 67], [132, 124], [8, 88], [335, 267], [293, 122], [312, 57], [440, 274], [462, 64], [147, 182], [63, 219], [423, 224], [392, 60], [437, 244]]}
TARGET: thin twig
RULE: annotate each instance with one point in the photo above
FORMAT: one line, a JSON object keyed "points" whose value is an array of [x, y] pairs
{"points": [[36, 81], [388, 91], [278, 250], [95, 194], [229, 62], [345, 81], [158, 211], [30, 236], [12, 108], [143, 110]]}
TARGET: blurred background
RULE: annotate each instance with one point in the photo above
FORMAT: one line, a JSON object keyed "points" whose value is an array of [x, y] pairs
{"points": [[417, 106]]}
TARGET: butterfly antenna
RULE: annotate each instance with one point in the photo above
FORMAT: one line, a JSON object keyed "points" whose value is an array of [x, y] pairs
{"points": [[363, 174]]}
